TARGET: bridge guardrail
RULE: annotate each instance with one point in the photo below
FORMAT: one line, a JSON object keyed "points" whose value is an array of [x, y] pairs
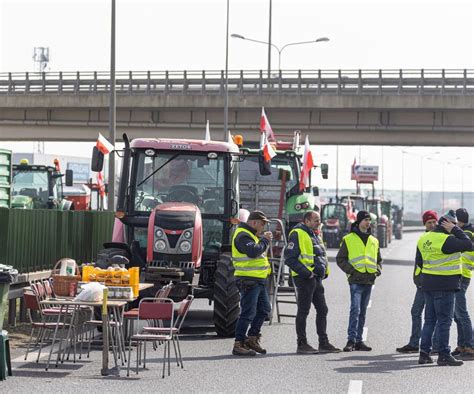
{"points": [[293, 82]]}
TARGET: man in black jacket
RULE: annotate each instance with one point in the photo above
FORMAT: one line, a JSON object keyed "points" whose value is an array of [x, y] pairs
{"points": [[306, 257], [359, 257], [438, 256]]}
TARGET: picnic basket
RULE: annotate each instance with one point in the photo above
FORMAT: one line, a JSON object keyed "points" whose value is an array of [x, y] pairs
{"points": [[62, 283]]}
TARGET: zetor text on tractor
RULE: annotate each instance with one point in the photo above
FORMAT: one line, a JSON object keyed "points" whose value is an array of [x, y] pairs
{"points": [[176, 207]]}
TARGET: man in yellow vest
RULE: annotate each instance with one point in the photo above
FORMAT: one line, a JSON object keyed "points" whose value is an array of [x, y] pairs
{"points": [[439, 257], [464, 349], [430, 219], [359, 257], [249, 248], [306, 257]]}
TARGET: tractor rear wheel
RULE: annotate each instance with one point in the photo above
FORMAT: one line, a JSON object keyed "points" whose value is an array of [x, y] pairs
{"points": [[382, 236], [226, 298]]}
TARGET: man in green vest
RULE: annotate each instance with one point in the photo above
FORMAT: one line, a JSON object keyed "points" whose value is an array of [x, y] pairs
{"points": [[359, 257], [439, 258], [249, 248], [306, 257], [464, 349]]}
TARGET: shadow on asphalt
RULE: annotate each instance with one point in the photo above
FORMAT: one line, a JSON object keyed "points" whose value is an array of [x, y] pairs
{"points": [[382, 363]]}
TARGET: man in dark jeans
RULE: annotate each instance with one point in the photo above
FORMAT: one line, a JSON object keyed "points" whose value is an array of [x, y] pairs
{"points": [[306, 257], [430, 219], [439, 257], [249, 247], [359, 257]]}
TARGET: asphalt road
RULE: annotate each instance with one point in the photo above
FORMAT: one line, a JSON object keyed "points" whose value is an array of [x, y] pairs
{"points": [[210, 367]]}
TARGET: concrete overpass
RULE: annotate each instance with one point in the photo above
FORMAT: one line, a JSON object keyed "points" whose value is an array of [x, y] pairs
{"points": [[346, 107]]}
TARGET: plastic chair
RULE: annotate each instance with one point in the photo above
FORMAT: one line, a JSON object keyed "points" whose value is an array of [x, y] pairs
{"points": [[181, 314], [153, 309]]}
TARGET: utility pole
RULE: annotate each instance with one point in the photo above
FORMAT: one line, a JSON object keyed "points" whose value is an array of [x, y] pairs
{"points": [[270, 40], [111, 196], [226, 97]]}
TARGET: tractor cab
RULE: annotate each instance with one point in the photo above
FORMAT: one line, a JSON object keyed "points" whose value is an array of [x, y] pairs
{"points": [[40, 187], [335, 223]]}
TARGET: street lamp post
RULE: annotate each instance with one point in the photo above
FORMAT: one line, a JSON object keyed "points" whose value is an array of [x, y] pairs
{"points": [[403, 178], [226, 93], [280, 50], [112, 120]]}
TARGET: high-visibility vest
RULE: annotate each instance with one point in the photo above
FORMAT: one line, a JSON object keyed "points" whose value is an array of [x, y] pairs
{"points": [[435, 262], [467, 260], [255, 267], [305, 244], [362, 257]]}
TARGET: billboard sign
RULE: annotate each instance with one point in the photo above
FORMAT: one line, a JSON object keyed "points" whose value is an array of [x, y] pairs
{"points": [[365, 173]]}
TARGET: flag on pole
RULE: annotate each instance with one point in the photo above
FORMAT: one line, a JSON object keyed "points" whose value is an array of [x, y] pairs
{"points": [[353, 177], [100, 183], [208, 132], [268, 152], [265, 127], [104, 145], [308, 164]]}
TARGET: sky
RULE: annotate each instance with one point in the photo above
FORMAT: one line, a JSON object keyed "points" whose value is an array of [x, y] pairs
{"points": [[190, 35]]}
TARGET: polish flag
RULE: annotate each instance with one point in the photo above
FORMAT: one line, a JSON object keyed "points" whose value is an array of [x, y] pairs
{"points": [[308, 164], [353, 177], [100, 183], [268, 152], [265, 127], [208, 133], [104, 145]]}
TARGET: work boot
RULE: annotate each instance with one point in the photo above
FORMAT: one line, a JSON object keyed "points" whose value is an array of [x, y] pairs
{"points": [[447, 359], [350, 346], [327, 347], [362, 347], [407, 349], [425, 358], [457, 351], [253, 343], [467, 354], [305, 348], [241, 350]]}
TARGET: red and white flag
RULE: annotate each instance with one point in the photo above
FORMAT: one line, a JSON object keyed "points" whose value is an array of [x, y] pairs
{"points": [[104, 145], [265, 127], [100, 183], [308, 164], [353, 177], [268, 152]]}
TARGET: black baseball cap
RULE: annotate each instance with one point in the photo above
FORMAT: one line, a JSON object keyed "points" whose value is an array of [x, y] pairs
{"points": [[257, 215]]}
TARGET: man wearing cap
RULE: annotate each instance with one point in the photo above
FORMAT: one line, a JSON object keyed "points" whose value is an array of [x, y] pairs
{"points": [[249, 246], [438, 256], [359, 257], [464, 347], [306, 257], [430, 219]]}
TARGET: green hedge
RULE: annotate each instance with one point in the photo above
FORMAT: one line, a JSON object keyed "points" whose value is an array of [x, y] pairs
{"points": [[33, 240]]}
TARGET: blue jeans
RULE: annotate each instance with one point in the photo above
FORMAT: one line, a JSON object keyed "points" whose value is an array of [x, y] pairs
{"points": [[254, 308], [416, 314], [461, 316], [439, 307], [360, 296]]}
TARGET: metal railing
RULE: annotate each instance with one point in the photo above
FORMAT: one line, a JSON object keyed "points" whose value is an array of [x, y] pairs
{"points": [[283, 82]]}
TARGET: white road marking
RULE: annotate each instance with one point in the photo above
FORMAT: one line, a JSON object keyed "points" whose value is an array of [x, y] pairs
{"points": [[355, 387], [364, 333]]}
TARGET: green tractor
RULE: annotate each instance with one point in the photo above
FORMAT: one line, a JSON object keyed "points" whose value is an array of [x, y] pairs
{"points": [[274, 187], [40, 187]]}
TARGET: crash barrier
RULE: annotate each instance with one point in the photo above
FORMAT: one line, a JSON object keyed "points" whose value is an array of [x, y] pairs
{"points": [[33, 240]]}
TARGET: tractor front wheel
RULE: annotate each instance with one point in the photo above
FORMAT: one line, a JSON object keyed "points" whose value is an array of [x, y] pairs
{"points": [[226, 298]]}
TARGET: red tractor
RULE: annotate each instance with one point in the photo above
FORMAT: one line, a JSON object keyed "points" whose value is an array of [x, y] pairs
{"points": [[177, 205]]}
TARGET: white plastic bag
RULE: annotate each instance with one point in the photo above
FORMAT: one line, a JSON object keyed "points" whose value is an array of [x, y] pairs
{"points": [[92, 292]]}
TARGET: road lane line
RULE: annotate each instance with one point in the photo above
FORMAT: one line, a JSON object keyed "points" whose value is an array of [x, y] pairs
{"points": [[355, 387], [364, 333], [370, 304]]}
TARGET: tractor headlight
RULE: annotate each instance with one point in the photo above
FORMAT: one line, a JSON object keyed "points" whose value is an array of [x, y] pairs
{"points": [[160, 245], [298, 207], [159, 233], [187, 234], [185, 246]]}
